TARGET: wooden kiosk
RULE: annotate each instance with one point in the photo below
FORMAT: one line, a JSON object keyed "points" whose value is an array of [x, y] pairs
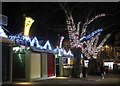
{"points": [[30, 64], [6, 58]]}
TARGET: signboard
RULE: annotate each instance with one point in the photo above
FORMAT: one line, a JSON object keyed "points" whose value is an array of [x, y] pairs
{"points": [[28, 23]]}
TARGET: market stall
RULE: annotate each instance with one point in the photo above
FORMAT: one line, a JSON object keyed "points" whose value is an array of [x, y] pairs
{"points": [[67, 66], [6, 54], [59, 66], [64, 62], [30, 64]]}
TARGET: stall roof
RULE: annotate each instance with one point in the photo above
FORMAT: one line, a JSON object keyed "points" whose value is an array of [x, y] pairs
{"points": [[34, 49], [6, 40], [46, 43]]}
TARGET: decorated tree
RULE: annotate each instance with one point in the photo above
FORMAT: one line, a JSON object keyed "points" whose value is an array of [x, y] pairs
{"points": [[80, 42]]}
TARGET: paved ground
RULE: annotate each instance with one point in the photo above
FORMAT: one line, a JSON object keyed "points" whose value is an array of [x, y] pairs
{"points": [[110, 80]]}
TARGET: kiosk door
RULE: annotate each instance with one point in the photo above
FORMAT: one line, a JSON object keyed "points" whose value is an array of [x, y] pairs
{"points": [[35, 65], [51, 65]]}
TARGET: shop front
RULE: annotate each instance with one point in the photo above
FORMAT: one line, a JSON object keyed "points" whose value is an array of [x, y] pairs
{"points": [[31, 64], [6, 58]]}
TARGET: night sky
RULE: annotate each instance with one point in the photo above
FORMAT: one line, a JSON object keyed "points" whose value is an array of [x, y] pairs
{"points": [[50, 20]]}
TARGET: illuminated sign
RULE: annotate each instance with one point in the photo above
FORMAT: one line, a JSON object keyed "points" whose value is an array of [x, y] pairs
{"points": [[109, 64], [28, 23]]}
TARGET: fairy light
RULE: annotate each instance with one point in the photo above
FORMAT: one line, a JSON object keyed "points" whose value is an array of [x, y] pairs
{"points": [[97, 16], [63, 52], [47, 45], [2, 33], [91, 34], [90, 21], [69, 53], [34, 41], [92, 48], [90, 40], [72, 30], [104, 40]]}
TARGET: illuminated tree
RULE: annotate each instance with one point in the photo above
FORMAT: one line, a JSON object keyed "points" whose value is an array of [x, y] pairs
{"points": [[90, 46]]}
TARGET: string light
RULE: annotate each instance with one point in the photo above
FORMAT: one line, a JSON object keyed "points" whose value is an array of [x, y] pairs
{"points": [[91, 34], [2, 33], [90, 40], [104, 40], [35, 42], [47, 45]]}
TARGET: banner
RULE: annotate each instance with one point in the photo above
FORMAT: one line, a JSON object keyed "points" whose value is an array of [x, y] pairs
{"points": [[28, 23]]}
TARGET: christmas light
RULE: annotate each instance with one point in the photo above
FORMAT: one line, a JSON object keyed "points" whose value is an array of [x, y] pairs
{"points": [[104, 40], [2, 33], [34, 42], [91, 34], [97, 16], [47, 45], [69, 53]]}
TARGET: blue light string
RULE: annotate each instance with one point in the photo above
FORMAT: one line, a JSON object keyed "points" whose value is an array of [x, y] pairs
{"points": [[91, 34]]}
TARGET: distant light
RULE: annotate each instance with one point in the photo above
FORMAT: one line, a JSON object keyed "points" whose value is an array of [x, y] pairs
{"points": [[28, 23], [109, 64], [106, 46]]}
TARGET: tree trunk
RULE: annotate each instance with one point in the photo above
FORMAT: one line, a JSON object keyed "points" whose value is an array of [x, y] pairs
{"points": [[76, 66]]}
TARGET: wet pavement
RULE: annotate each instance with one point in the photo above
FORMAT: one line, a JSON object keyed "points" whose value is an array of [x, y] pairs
{"points": [[111, 80]]}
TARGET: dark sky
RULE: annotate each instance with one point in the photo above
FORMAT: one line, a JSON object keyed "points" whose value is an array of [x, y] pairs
{"points": [[50, 18]]}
